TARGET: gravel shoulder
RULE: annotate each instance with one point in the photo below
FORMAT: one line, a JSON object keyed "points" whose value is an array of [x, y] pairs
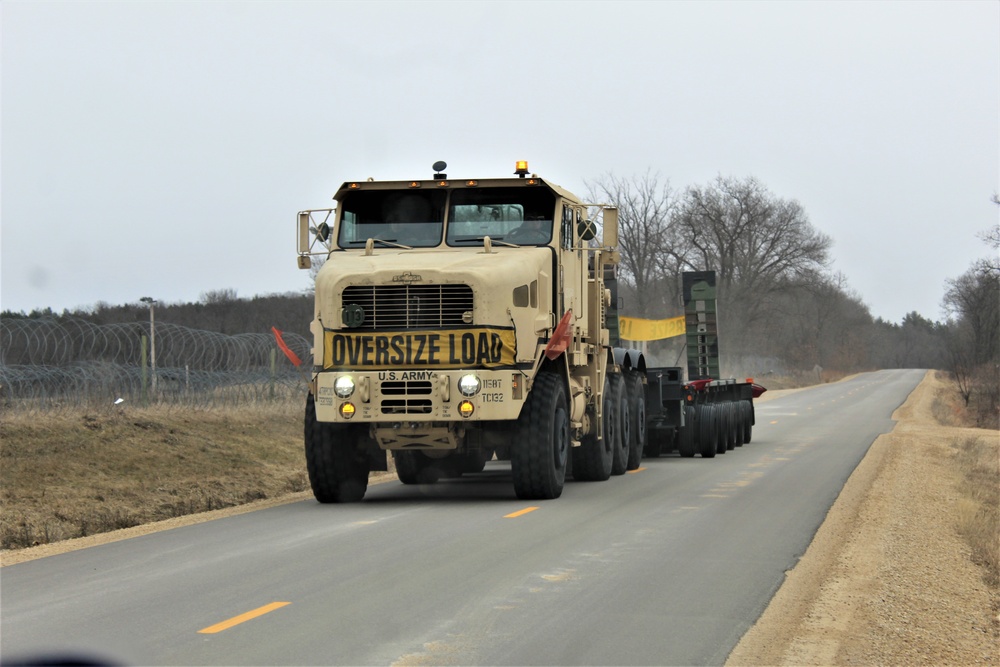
{"points": [[887, 579]]}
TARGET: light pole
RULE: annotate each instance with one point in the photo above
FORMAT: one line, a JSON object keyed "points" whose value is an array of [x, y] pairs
{"points": [[152, 339]]}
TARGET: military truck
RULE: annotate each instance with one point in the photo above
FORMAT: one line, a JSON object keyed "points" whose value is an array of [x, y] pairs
{"points": [[461, 319]]}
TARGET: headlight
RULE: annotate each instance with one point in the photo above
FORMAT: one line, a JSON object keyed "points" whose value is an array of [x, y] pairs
{"points": [[344, 386], [469, 385]]}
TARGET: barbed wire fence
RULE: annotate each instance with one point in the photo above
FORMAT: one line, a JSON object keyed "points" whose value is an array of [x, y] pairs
{"points": [[61, 364]]}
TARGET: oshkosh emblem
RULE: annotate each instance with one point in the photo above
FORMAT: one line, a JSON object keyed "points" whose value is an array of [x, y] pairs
{"points": [[407, 278]]}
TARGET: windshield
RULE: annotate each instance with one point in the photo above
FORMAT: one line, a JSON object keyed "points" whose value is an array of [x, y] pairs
{"points": [[514, 215], [408, 218]]}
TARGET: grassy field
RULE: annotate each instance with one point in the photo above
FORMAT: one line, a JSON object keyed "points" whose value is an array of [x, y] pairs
{"points": [[66, 476]]}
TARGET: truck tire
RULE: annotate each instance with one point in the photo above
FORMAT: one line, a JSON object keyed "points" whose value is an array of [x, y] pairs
{"points": [[747, 421], [540, 451], [729, 419], [336, 461], [592, 459], [707, 431], [686, 433], [474, 461], [721, 428], [412, 467], [637, 411], [738, 423], [620, 452]]}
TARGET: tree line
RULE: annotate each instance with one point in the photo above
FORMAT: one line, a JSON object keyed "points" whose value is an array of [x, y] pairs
{"points": [[779, 302]]}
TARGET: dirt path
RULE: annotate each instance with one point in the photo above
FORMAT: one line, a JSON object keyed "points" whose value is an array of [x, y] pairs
{"points": [[887, 580]]}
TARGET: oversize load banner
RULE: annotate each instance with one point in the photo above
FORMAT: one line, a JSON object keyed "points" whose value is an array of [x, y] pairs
{"points": [[632, 328], [484, 347]]}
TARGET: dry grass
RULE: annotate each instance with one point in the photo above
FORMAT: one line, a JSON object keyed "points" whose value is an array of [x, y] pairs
{"points": [[71, 475], [979, 508], [977, 458]]}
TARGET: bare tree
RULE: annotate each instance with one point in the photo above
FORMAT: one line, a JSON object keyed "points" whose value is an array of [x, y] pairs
{"points": [[757, 243], [645, 205], [974, 299]]}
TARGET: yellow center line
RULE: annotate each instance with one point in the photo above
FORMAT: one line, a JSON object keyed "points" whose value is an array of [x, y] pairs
{"points": [[518, 513], [630, 472], [242, 618]]}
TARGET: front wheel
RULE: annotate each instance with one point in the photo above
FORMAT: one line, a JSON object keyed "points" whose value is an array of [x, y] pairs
{"points": [[539, 453], [336, 460]]}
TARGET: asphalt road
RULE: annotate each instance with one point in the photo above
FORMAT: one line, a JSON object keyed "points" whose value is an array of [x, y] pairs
{"points": [[668, 565]]}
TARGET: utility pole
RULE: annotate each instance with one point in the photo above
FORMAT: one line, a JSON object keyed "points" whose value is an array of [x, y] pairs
{"points": [[152, 339]]}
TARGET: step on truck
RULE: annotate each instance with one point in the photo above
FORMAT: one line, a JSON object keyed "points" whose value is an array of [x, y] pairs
{"points": [[460, 319]]}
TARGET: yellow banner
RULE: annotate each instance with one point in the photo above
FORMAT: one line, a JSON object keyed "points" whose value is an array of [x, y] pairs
{"points": [[482, 347], [632, 328]]}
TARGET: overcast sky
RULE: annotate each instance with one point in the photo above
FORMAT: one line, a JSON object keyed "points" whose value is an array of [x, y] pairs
{"points": [[163, 148]]}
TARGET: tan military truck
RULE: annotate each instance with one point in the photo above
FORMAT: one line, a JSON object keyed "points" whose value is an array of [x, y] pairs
{"points": [[458, 318]]}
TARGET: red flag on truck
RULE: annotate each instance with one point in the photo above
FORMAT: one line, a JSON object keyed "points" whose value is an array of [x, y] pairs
{"points": [[292, 357]]}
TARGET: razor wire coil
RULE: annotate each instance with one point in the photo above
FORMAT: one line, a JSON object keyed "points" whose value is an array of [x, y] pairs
{"points": [[48, 364]]}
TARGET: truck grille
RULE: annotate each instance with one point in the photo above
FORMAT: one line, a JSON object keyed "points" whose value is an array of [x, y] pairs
{"points": [[410, 397], [410, 306]]}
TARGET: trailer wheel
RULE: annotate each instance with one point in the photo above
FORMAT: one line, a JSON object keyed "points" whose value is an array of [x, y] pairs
{"points": [[721, 428], [593, 458], [747, 421], [730, 422], [637, 405], [707, 431], [540, 451], [686, 433], [622, 416], [412, 467], [738, 417], [336, 461]]}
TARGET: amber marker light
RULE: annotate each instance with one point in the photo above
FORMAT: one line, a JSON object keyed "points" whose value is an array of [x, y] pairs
{"points": [[414, 184], [347, 410], [465, 408], [472, 184], [353, 186]]}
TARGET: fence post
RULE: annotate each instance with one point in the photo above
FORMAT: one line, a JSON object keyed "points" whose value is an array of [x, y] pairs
{"points": [[274, 369], [145, 376]]}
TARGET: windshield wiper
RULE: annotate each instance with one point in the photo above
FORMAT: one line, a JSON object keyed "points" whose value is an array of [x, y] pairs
{"points": [[496, 240], [389, 243]]}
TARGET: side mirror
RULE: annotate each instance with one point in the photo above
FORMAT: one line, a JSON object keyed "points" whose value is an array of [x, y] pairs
{"points": [[303, 231], [586, 230], [610, 227]]}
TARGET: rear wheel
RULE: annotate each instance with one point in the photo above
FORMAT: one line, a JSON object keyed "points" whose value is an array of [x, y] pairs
{"points": [[637, 405], [593, 458], [336, 459], [412, 467], [539, 453], [619, 461]]}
